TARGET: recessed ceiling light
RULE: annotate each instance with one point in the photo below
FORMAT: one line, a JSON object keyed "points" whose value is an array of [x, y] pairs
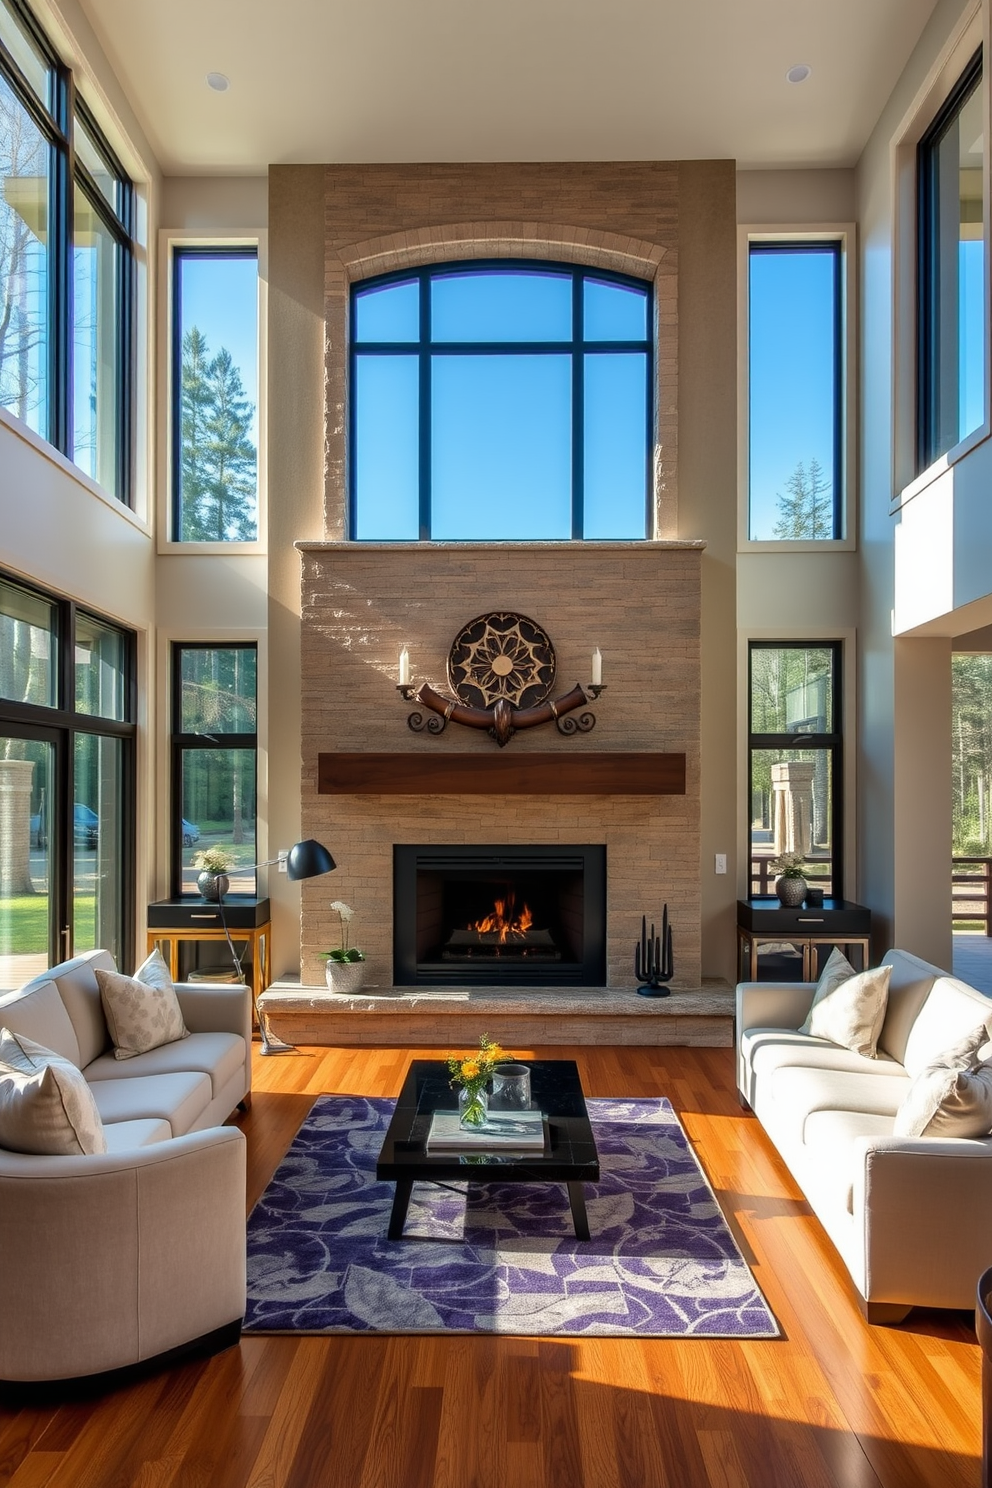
{"points": [[799, 73], [220, 83]]}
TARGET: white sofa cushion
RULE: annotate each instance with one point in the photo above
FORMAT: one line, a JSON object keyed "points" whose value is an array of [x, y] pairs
{"points": [[219, 1055], [950, 1012], [797, 1093], [153, 971], [76, 982], [140, 1016], [46, 1106], [851, 1011], [767, 1049], [39, 1013], [178, 1099], [125, 1136]]}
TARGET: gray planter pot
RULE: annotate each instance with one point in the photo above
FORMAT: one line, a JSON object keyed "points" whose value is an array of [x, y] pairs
{"points": [[212, 885], [345, 977]]}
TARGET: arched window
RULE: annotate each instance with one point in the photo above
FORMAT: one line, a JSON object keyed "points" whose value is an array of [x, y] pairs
{"points": [[500, 401]]}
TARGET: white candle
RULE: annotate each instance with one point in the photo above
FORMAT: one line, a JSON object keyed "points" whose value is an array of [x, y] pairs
{"points": [[597, 668], [404, 668]]}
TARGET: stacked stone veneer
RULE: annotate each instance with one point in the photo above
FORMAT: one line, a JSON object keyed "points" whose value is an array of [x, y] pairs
{"points": [[638, 602]]}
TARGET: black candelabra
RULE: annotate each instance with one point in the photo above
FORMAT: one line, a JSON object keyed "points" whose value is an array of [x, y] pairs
{"points": [[653, 963]]}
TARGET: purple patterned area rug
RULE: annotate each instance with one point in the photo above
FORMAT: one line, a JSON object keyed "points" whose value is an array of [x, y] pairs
{"points": [[498, 1257]]}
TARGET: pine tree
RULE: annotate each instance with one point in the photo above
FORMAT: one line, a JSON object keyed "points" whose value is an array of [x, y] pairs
{"points": [[807, 507], [219, 460]]}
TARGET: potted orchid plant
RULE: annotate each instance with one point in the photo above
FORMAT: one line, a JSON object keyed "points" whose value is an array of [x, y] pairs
{"points": [[345, 966]]}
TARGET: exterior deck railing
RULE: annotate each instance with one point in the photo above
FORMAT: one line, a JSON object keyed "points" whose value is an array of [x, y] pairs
{"points": [[816, 872], [971, 880]]}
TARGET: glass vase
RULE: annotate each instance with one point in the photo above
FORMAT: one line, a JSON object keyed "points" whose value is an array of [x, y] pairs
{"points": [[473, 1108]]}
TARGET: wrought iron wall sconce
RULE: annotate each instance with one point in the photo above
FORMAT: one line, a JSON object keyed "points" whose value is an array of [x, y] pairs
{"points": [[501, 668]]}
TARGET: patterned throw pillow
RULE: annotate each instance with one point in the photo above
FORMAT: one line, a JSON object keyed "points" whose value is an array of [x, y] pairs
{"points": [[837, 970], [46, 1106], [852, 1013], [140, 1017], [952, 1097]]}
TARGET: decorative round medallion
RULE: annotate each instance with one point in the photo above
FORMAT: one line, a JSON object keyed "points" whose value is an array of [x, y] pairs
{"points": [[502, 655]]}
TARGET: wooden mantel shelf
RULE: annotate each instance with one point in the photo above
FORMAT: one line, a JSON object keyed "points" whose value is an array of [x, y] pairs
{"points": [[530, 774]]}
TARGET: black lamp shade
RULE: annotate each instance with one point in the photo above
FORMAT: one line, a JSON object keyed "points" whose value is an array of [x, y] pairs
{"points": [[308, 859]]}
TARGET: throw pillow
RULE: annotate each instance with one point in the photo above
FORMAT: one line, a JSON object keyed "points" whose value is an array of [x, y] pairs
{"points": [[952, 1097], [837, 970], [154, 972], [851, 1014], [46, 1107], [139, 1017]]}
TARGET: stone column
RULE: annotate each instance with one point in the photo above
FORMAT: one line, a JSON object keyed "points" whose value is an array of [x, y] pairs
{"points": [[792, 797], [15, 828]]}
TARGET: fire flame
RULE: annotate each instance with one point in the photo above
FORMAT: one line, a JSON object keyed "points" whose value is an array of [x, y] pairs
{"points": [[504, 921]]}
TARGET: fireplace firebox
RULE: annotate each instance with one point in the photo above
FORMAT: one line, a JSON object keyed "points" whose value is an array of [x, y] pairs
{"points": [[484, 916]]}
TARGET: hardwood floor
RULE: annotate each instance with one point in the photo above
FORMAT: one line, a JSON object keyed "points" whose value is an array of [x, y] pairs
{"points": [[832, 1404]]}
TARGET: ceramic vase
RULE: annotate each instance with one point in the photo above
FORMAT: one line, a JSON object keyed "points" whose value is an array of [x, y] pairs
{"points": [[345, 977], [212, 885], [791, 891]]}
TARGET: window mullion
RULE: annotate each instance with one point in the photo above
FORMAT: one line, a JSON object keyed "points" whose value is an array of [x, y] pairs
{"points": [[424, 410], [60, 257], [578, 388]]}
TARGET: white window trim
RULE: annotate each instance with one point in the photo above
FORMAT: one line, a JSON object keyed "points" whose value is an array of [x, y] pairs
{"points": [[810, 634], [169, 240], [940, 82], [844, 233]]}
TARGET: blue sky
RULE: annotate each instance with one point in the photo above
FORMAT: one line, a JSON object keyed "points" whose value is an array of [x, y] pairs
{"points": [[220, 298], [791, 374]]}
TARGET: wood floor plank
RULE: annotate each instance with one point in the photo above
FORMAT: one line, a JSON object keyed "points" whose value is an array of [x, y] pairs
{"points": [[833, 1403]]}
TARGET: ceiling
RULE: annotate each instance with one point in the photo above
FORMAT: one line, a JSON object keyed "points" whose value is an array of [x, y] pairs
{"points": [[455, 80]]}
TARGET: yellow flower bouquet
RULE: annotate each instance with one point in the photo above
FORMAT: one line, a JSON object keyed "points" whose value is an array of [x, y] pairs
{"points": [[470, 1074]]}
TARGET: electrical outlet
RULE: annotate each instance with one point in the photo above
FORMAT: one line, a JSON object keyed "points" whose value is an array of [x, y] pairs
{"points": [[282, 856], [720, 863]]}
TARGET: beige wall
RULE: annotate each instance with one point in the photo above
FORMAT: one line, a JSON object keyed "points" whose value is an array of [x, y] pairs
{"points": [[904, 700], [296, 495]]}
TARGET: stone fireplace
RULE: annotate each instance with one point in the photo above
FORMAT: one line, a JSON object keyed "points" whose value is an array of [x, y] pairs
{"points": [[639, 603]]}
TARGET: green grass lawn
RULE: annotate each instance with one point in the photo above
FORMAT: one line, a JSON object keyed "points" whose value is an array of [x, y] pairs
{"points": [[24, 924]]}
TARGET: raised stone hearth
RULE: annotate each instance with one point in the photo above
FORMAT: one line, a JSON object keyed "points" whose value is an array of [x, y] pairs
{"points": [[520, 1018]]}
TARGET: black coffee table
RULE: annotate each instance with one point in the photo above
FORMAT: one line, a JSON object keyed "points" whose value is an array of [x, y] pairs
{"points": [[569, 1155]]}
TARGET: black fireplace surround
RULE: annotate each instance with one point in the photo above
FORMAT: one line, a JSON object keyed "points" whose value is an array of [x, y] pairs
{"points": [[499, 916]]}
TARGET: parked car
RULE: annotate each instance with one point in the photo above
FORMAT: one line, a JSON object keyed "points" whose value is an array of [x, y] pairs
{"points": [[191, 833], [85, 825]]}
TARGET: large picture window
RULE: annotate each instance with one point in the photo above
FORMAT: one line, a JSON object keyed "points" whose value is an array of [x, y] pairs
{"points": [[795, 392], [214, 690], [500, 401], [67, 737], [66, 262], [795, 760], [952, 257], [215, 394]]}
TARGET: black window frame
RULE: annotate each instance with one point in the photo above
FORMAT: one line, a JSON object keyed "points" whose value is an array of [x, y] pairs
{"points": [[831, 743], [60, 725], [929, 445], [834, 247], [181, 743], [424, 348], [56, 123], [180, 253]]}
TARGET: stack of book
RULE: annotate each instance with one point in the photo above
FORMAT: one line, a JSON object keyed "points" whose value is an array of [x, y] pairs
{"points": [[504, 1131]]}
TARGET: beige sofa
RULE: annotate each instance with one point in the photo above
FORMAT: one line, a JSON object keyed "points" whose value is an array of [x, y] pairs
{"points": [[911, 1217], [113, 1259]]}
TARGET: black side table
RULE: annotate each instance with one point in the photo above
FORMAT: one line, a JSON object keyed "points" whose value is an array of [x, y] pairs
{"points": [[838, 923]]}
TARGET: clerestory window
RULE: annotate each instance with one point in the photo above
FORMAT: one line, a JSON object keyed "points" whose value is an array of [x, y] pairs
{"points": [[67, 224], [500, 401]]}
